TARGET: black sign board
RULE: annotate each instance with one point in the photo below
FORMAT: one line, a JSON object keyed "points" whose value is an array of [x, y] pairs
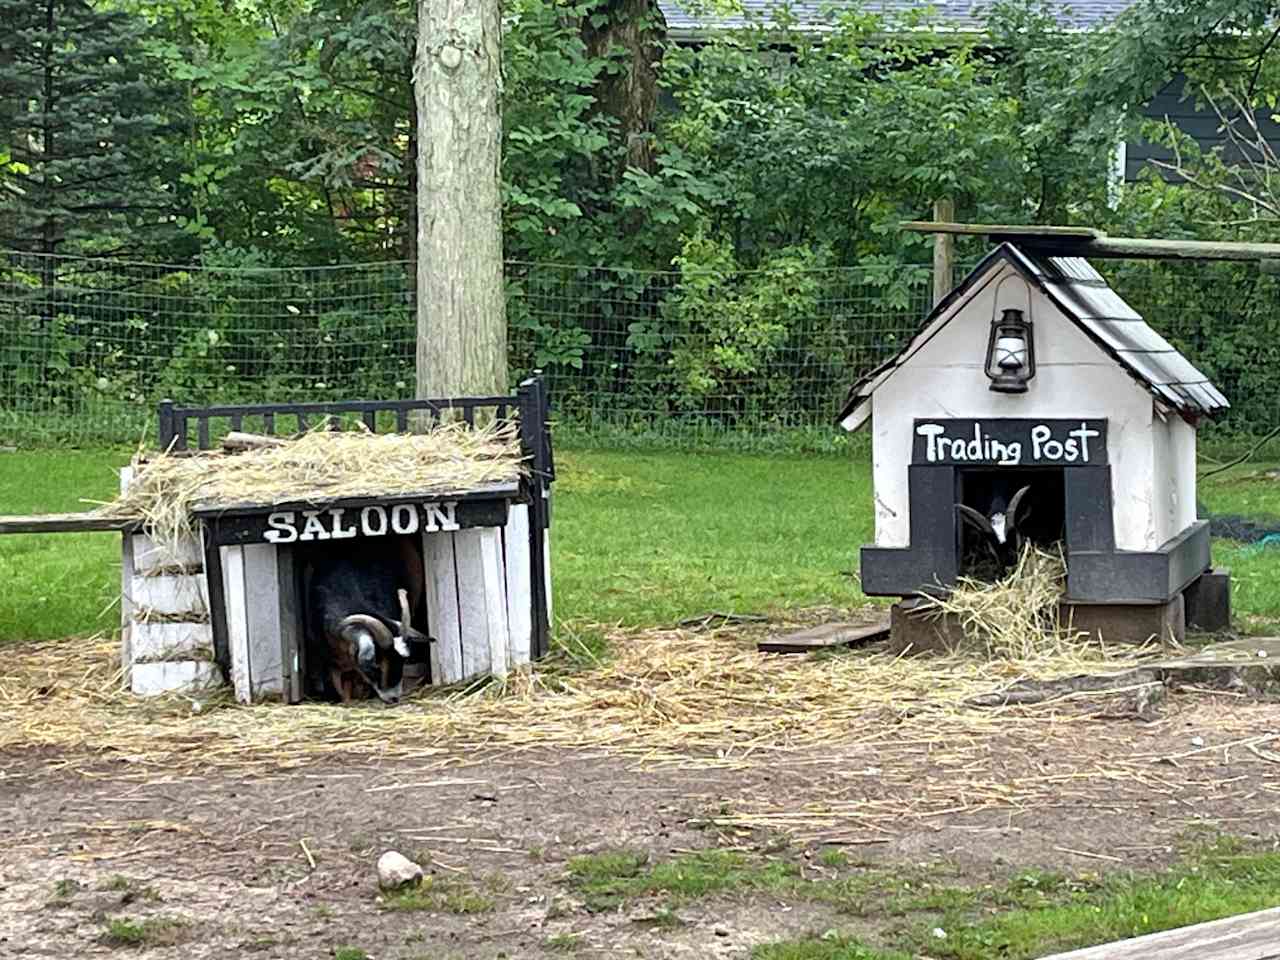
{"points": [[1010, 443], [350, 519]]}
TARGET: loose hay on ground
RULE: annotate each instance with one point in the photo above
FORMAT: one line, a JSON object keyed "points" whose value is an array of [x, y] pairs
{"points": [[668, 696], [1017, 616], [318, 467]]}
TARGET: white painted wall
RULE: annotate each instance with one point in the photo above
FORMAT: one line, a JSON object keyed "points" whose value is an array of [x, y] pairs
{"points": [[944, 377], [1175, 473]]}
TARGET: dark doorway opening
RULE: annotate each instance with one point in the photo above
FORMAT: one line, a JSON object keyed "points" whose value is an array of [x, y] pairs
{"points": [[990, 491], [404, 552]]}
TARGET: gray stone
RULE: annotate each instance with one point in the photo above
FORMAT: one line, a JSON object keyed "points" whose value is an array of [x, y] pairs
{"points": [[396, 870], [1128, 622], [1208, 600]]}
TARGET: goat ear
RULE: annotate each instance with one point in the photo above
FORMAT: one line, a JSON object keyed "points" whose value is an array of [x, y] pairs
{"points": [[973, 516], [401, 647]]}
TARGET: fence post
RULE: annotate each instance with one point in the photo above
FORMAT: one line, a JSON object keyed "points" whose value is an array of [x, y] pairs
{"points": [[165, 412], [944, 211]]}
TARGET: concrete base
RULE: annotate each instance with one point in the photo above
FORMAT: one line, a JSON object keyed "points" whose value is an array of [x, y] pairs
{"points": [[1208, 601], [1126, 622], [917, 626]]}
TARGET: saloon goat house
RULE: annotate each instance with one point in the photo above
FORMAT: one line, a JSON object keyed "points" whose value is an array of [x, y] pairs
{"points": [[1034, 380]]}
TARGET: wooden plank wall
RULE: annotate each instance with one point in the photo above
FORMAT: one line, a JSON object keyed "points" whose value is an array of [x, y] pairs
{"points": [[479, 599], [258, 627]]}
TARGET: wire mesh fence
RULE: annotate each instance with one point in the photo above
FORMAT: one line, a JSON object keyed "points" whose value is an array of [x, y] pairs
{"points": [[89, 347]]}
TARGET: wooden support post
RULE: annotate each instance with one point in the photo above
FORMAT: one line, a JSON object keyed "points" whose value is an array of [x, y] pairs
{"points": [[944, 211]]}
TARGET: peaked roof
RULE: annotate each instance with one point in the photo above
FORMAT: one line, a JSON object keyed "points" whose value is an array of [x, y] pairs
{"points": [[1079, 291], [691, 16]]}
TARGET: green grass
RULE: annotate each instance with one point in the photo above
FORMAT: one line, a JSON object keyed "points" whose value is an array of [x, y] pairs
{"points": [[151, 932], [641, 538], [563, 942], [57, 585], [605, 880], [650, 538], [1255, 571], [440, 896], [349, 953], [1037, 913]]}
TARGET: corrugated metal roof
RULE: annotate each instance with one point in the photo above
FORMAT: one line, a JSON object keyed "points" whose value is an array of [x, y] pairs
{"points": [[1083, 296], [959, 13]]}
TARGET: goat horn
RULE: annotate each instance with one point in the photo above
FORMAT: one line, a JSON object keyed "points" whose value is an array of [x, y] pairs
{"points": [[973, 516], [1012, 512], [405, 613], [381, 632]]}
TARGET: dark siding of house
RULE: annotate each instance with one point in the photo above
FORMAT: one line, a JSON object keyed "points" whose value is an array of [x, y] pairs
{"points": [[1202, 124]]}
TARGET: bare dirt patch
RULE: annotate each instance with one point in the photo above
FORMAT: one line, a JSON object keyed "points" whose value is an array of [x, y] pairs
{"points": [[274, 855]]}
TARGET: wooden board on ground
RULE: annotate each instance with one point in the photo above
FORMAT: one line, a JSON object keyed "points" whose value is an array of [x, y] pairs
{"points": [[1250, 936], [826, 635]]}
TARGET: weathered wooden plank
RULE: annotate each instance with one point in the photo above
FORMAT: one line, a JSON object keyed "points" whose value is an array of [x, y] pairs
{"points": [[944, 211], [519, 584], [66, 523], [174, 676], [546, 577], [169, 595], [1250, 936], [237, 621], [473, 612], [998, 229], [495, 600], [152, 642], [826, 635], [150, 557], [262, 617], [442, 607]]}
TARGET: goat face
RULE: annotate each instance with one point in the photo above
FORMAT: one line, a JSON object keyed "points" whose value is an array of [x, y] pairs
{"points": [[371, 646]]}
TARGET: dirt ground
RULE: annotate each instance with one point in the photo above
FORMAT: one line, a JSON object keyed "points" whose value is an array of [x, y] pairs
{"points": [[282, 864]]}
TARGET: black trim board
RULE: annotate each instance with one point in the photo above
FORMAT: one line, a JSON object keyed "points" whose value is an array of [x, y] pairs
{"points": [[1133, 576]]}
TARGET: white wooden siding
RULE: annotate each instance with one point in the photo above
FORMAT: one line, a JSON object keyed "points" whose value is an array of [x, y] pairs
{"points": [[519, 584], [442, 607]]}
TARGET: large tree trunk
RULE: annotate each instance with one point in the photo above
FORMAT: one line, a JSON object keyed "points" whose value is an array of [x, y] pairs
{"points": [[631, 30], [462, 329]]}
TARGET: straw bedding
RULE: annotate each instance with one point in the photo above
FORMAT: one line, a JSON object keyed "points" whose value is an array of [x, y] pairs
{"points": [[670, 696], [318, 467], [1017, 616]]}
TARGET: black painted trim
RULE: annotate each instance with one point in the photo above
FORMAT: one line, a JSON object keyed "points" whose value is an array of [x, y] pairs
{"points": [[1134, 576]]}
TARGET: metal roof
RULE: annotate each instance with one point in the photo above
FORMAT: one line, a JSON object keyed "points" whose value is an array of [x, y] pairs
{"points": [[815, 14], [1083, 296]]}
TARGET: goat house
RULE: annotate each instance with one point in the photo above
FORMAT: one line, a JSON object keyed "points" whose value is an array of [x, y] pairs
{"points": [[229, 606], [1034, 375]]}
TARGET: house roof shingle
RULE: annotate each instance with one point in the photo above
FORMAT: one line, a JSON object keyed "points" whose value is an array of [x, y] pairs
{"points": [[815, 13], [1083, 296]]}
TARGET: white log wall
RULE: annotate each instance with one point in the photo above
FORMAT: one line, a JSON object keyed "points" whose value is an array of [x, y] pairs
{"points": [[166, 641]]}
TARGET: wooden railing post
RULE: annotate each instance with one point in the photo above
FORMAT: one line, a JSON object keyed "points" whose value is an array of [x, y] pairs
{"points": [[944, 211]]}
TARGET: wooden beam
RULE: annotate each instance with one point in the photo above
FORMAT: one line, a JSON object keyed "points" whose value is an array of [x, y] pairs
{"points": [[1133, 248], [1088, 242], [991, 229], [66, 523], [1250, 936]]}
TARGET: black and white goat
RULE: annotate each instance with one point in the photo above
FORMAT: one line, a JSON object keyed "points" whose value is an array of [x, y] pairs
{"points": [[360, 601], [998, 529]]}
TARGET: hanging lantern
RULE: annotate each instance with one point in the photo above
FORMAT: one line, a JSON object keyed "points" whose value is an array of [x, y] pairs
{"points": [[1011, 353]]}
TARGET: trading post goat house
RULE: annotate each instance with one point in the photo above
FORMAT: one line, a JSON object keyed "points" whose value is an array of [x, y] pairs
{"points": [[1034, 403], [229, 604]]}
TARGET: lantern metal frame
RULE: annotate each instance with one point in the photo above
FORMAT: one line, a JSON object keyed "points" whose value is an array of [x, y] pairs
{"points": [[1012, 323]]}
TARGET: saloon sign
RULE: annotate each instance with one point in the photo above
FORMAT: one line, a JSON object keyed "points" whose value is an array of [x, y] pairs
{"points": [[295, 523], [341, 523], [1010, 443]]}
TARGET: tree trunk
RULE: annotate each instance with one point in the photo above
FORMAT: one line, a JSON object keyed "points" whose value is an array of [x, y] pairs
{"points": [[630, 95], [461, 309]]}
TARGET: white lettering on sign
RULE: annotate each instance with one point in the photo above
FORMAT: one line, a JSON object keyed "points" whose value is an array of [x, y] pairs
{"points": [[375, 521], [981, 447]]}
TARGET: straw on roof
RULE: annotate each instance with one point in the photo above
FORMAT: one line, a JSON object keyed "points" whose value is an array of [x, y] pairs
{"points": [[318, 467]]}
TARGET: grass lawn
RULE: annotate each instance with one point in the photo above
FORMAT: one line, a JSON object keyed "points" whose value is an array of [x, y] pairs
{"points": [[637, 538]]}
